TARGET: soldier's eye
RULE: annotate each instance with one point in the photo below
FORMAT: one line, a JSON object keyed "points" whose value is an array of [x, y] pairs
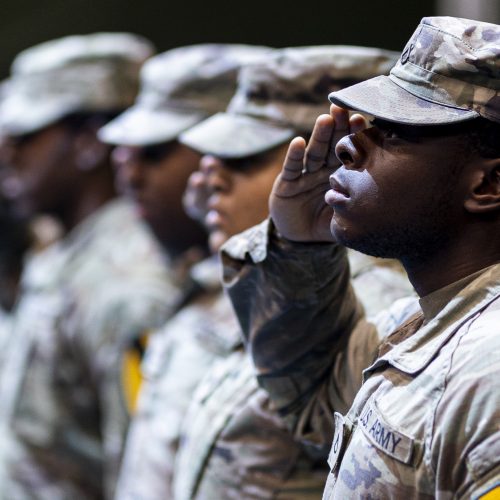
{"points": [[390, 133], [388, 130], [156, 152]]}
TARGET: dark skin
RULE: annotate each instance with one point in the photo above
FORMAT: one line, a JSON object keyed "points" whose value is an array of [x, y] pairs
{"points": [[60, 171], [399, 192], [155, 177]]}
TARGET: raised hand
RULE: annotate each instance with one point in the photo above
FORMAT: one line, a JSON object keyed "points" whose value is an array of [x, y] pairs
{"points": [[297, 204], [196, 196]]}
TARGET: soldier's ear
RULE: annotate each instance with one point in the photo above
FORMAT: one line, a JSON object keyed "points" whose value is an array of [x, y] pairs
{"points": [[484, 195]]}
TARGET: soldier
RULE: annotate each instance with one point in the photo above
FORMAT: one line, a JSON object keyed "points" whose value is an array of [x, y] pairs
{"points": [[243, 155], [179, 88], [421, 185], [87, 296]]}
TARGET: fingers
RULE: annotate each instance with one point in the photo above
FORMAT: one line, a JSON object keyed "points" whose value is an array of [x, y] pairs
{"points": [[195, 196], [319, 145], [294, 160], [320, 151], [358, 123], [341, 128], [340, 118]]}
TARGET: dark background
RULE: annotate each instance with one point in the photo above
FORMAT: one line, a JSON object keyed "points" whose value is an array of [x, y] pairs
{"points": [[386, 23], [169, 23]]}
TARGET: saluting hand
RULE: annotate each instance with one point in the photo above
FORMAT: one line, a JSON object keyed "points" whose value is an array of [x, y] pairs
{"points": [[297, 204], [195, 198]]}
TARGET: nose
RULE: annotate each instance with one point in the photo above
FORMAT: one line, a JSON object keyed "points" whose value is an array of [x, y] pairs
{"points": [[349, 152], [128, 168], [217, 175]]}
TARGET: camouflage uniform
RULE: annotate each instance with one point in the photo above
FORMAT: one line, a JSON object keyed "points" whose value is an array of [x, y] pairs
{"points": [[5, 329], [84, 299], [178, 356], [410, 398], [83, 303], [234, 443]]}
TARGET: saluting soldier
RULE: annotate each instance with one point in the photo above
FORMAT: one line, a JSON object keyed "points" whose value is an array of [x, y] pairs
{"points": [[409, 401], [87, 296], [179, 88]]}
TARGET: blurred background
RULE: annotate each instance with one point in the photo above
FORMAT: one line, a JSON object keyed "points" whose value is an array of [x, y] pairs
{"points": [[387, 23]]}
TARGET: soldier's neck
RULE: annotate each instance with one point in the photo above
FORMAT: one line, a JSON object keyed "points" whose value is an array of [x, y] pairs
{"points": [[90, 200]]}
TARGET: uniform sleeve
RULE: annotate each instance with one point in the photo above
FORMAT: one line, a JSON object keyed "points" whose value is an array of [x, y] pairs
{"points": [[297, 311], [98, 332], [466, 451]]}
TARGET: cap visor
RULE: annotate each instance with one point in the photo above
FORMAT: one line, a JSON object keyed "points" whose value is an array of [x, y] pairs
{"points": [[140, 126], [384, 99], [20, 116], [234, 136]]}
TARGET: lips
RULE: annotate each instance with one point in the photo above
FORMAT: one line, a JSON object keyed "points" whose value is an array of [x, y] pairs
{"points": [[215, 216], [338, 193], [213, 219]]}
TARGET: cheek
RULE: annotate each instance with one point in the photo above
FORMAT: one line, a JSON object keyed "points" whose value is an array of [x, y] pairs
{"points": [[250, 200], [167, 186]]}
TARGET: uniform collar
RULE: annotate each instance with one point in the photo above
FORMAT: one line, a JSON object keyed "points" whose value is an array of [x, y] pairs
{"points": [[422, 344]]}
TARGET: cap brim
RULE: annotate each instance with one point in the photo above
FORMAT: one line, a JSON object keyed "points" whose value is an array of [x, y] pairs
{"points": [[19, 116], [384, 99], [230, 135], [140, 126]]}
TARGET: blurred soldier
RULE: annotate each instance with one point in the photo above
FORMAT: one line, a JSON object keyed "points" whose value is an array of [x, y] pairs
{"points": [[180, 88], [238, 181], [86, 297], [14, 243], [421, 185]]}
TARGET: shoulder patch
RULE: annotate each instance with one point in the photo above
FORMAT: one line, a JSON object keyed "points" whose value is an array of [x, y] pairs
{"points": [[492, 492], [131, 373]]}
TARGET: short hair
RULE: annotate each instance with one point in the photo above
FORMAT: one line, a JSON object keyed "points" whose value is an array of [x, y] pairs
{"points": [[484, 138], [80, 119]]}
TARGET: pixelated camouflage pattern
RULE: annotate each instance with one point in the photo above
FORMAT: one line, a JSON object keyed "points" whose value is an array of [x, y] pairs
{"points": [[422, 422], [5, 330], [235, 445], [179, 88], [177, 358], [91, 73], [448, 72], [283, 95], [84, 300]]}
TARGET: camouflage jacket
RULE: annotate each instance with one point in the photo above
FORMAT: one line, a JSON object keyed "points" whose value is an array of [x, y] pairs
{"points": [[234, 442], [5, 330], [177, 358], [396, 397], [84, 300]]}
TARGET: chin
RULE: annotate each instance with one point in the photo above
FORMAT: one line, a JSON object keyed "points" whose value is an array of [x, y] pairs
{"points": [[363, 243], [339, 232], [216, 240]]}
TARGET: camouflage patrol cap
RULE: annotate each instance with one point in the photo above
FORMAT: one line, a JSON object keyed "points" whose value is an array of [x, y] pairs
{"points": [[282, 96], [180, 88], [96, 72], [448, 72]]}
